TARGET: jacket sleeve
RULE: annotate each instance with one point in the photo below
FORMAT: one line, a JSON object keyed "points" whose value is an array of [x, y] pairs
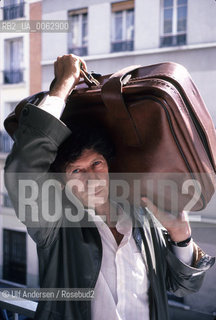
{"points": [[182, 279], [177, 277], [36, 142], [166, 271]]}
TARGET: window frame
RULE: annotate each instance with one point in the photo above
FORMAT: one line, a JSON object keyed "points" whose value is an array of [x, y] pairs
{"points": [[82, 48], [174, 33], [122, 8], [11, 72], [13, 10], [8, 249]]}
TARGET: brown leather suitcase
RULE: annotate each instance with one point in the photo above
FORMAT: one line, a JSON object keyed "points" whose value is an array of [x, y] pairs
{"points": [[163, 133]]}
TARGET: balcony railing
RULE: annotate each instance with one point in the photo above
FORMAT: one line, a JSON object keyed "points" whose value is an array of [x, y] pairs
{"points": [[13, 11], [118, 46], [13, 76], [173, 40], [5, 142], [16, 307], [79, 51], [179, 311]]}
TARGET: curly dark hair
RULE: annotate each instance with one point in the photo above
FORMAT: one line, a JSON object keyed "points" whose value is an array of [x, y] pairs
{"points": [[83, 137]]}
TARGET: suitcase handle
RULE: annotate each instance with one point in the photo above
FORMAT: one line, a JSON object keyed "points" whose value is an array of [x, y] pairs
{"points": [[111, 94], [122, 73], [88, 79]]}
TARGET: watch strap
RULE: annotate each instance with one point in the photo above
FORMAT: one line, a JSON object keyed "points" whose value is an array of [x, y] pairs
{"points": [[183, 243]]}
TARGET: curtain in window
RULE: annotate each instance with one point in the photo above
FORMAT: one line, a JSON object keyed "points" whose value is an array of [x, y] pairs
{"points": [[84, 30], [118, 32], [13, 54], [129, 24], [78, 37], [75, 30]]}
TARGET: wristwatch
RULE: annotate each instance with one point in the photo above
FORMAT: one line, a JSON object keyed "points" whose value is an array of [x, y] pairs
{"points": [[183, 243]]}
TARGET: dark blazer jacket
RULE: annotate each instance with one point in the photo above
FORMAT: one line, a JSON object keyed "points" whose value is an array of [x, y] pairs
{"points": [[70, 253]]}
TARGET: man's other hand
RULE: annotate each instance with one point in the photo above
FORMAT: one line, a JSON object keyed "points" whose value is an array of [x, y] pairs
{"points": [[67, 75], [178, 226]]}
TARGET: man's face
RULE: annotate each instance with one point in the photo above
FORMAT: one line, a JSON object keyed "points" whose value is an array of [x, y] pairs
{"points": [[90, 171]]}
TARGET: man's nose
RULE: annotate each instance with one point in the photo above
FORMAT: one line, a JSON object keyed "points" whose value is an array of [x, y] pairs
{"points": [[91, 174]]}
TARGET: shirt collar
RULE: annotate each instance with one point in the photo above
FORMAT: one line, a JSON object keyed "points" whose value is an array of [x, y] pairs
{"points": [[124, 222]]}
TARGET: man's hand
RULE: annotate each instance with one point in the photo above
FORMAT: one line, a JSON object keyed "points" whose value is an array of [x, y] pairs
{"points": [[178, 226], [67, 74]]}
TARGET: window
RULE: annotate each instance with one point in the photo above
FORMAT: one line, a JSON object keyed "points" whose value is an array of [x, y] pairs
{"points": [[13, 9], [5, 142], [5, 201], [14, 256], [122, 26], [78, 37], [13, 72], [174, 23]]}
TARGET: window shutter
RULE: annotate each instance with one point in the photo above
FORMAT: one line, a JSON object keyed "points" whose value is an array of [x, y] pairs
{"points": [[78, 11], [123, 5]]}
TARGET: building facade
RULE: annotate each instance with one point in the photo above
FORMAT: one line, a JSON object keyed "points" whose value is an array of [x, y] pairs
{"points": [[20, 58], [111, 35]]}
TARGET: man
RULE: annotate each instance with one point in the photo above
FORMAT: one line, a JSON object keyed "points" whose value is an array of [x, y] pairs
{"points": [[129, 261]]}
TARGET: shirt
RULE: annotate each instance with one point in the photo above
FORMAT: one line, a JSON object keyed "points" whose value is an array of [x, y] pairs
{"points": [[121, 290]]}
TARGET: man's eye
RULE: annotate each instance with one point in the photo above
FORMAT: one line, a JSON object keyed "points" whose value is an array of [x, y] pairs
{"points": [[76, 171], [96, 163]]}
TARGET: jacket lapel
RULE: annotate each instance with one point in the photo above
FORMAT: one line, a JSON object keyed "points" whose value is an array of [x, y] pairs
{"points": [[143, 238]]}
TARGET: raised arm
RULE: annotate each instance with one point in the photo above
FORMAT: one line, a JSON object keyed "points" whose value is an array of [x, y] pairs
{"points": [[36, 143]]}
